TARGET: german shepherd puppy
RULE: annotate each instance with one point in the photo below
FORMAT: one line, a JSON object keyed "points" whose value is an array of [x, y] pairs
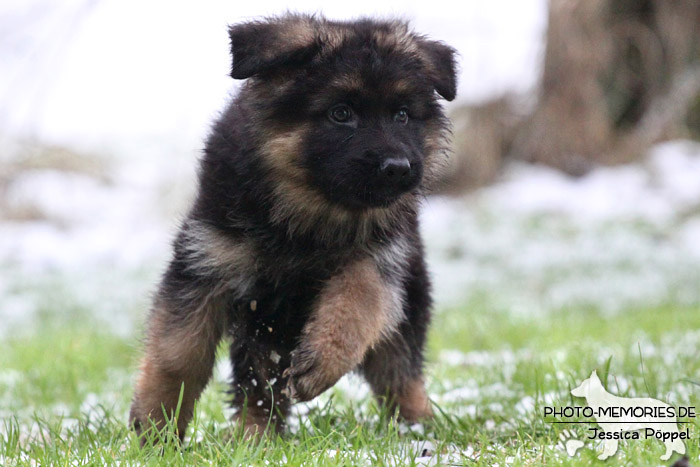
{"points": [[302, 245]]}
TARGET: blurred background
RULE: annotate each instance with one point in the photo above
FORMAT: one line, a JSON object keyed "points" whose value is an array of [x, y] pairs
{"points": [[575, 178], [564, 238]]}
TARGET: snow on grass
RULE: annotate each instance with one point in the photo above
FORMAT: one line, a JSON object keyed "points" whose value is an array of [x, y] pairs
{"points": [[488, 402], [539, 240]]}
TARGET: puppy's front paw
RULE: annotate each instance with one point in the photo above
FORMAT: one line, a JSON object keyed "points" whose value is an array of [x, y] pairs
{"points": [[309, 374]]}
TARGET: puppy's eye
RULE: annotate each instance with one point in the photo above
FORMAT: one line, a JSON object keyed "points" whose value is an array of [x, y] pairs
{"points": [[340, 113], [401, 116]]}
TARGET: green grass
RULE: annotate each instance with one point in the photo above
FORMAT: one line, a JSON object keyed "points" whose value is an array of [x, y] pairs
{"points": [[65, 389]]}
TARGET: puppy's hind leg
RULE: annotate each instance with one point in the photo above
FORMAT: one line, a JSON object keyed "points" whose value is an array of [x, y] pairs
{"points": [[396, 378], [394, 368], [183, 332]]}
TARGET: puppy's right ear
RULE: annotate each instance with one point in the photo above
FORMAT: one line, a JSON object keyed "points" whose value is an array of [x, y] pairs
{"points": [[261, 47]]}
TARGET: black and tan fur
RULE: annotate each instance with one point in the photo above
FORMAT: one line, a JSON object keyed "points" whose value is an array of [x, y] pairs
{"points": [[303, 243]]}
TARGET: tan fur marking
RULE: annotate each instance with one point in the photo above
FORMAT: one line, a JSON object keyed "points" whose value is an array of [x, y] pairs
{"points": [[351, 314], [302, 209], [290, 34], [413, 402], [210, 250], [402, 86], [282, 149], [296, 35], [348, 82], [399, 37], [176, 355], [354, 311], [332, 35], [437, 149]]}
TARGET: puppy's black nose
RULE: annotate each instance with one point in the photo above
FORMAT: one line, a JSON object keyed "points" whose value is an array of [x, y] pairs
{"points": [[395, 170]]}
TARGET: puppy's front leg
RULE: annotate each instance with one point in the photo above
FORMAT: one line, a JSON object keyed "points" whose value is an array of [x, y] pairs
{"points": [[352, 313]]}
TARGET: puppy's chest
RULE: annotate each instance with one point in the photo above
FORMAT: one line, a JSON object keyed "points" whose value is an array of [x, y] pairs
{"points": [[275, 307], [284, 279]]}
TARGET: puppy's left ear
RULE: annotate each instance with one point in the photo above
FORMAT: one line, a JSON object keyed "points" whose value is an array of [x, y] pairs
{"points": [[440, 60]]}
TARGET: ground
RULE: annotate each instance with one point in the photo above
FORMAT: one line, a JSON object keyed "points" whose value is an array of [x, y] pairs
{"points": [[65, 392], [540, 279]]}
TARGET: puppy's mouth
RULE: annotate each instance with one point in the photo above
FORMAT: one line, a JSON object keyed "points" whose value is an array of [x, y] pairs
{"points": [[374, 193], [379, 200]]}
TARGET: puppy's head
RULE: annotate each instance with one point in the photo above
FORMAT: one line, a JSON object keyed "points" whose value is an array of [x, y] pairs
{"points": [[346, 114]]}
